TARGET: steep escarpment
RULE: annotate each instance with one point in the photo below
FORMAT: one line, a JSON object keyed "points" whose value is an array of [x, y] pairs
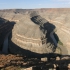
{"points": [[5, 29]]}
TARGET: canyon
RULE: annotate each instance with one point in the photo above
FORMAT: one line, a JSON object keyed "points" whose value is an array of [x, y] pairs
{"points": [[59, 17]]}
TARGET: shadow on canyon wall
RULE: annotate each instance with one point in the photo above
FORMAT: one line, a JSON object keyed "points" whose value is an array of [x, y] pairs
{"points": [[47, 26], [9, 27], [5, 28]]}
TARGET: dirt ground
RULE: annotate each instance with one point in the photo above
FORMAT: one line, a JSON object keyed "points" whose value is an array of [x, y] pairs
{"points": [[18, 62]]}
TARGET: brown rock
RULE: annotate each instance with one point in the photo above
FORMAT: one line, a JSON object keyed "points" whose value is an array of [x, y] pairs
{"points": [[44, 59], [58, 58]]}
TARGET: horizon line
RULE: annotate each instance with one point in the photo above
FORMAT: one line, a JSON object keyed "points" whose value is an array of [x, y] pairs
{"points": [[34, 8]]}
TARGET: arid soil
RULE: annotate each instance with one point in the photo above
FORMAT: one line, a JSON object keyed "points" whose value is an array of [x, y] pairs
{"points": [[17, 62]]}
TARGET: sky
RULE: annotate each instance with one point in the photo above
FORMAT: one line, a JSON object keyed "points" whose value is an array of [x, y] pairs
{"points": [[33, 4]]}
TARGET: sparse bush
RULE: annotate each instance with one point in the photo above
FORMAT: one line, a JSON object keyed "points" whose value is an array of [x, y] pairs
{"points": [[59, 42]]}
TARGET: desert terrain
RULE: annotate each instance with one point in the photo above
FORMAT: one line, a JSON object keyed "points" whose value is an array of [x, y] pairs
{"points": [[60, 17]]}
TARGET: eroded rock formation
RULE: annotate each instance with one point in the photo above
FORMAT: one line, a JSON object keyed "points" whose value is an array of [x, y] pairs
{"points": [[32, 34], [33, 38]]}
